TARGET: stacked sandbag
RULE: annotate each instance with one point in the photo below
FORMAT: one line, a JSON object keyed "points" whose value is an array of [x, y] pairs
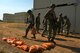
{"points": [[36, 48], [17, 43], [31, 49], [24, 47], [4, 38], [48, 45], [11, 40]]}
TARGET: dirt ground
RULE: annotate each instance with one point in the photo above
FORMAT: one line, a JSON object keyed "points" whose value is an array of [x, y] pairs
{"points": [[64, 44]]}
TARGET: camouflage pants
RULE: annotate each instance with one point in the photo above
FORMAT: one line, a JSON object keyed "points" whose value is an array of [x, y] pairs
{"points": [[37, 27], [28, 28], [68, 30], [52, 31]]}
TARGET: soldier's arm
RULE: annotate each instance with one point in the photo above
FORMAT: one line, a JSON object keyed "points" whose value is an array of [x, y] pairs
{"points": [[47, 14], [33, 19], [65, 23]]}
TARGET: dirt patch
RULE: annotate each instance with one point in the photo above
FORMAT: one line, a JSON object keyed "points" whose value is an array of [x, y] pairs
{"points": [[64, 44]]}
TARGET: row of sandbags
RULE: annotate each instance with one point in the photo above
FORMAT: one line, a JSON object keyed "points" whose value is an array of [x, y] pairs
{"points": [[31, 49]]}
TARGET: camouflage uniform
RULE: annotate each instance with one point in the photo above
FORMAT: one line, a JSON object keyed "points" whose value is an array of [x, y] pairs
{"points": [[51, 17], [30, 21], [60, 23], [44, 26], [38, 22], [67, 24]]}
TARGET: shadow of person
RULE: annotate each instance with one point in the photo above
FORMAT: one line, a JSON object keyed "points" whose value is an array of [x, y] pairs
{"points": [[60, 39], [73, 37], [43, 41], [38, 40], [75, 49]]}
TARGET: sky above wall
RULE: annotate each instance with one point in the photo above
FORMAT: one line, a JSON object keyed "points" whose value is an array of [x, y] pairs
{"points": [[13, 6]]}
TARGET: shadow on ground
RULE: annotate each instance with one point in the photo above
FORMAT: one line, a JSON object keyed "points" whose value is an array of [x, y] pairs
{"points": [[74, 37], [77, 50], [60, 39], [37, 40], [71, 36]]}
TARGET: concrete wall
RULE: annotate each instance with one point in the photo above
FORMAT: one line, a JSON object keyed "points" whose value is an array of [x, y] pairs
{"points": [[8, 17], [41, 4], [78, 19], [17, 17], [71, 11], [20, 17]]}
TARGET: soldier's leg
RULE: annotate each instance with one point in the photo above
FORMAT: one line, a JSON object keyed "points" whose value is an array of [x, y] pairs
{"points": [[54, 34], [45, 29], [38, 28], [27, 30], [68, 28], [62, 29], [50, 31], [34, 36], [52, 39], [43, 33], [59, 29]]}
